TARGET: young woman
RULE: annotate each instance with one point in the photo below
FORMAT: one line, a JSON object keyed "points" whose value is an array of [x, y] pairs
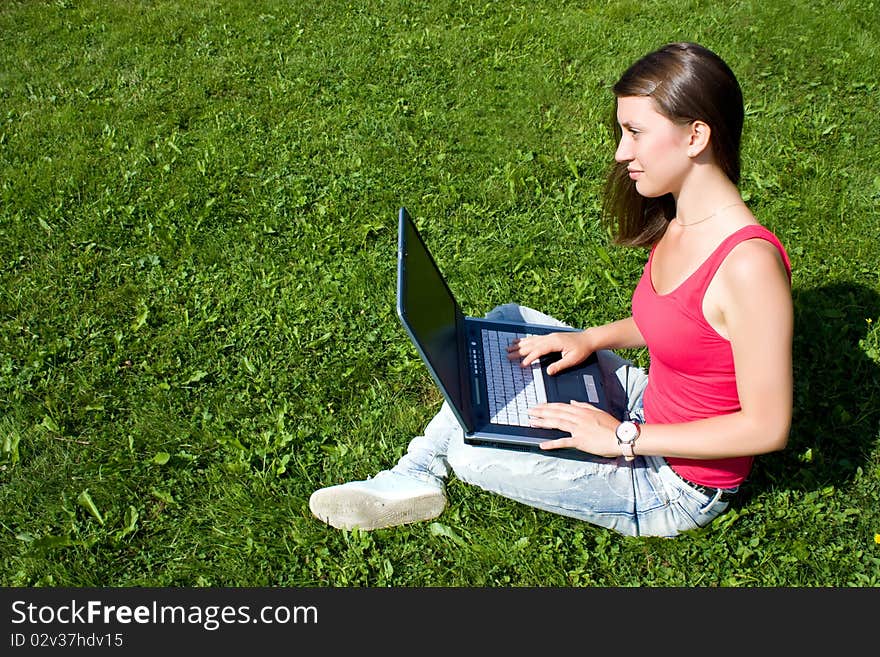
{"points": [[713, 307]]}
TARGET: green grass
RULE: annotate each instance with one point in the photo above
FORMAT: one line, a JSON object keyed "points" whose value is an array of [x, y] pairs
{"points": [[197, 249]]}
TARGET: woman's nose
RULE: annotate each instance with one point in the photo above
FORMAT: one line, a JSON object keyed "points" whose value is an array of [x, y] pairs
{"points": [[623, 152]]}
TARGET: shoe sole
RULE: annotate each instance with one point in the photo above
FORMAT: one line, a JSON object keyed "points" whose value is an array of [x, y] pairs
{"points": [[350, 509]]}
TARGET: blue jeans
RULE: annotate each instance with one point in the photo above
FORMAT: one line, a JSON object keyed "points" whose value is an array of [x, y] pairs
{"points": [[643, 497]]}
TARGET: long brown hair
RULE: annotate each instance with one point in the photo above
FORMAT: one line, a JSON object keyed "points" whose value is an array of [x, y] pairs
{"points": [[687, 82]]}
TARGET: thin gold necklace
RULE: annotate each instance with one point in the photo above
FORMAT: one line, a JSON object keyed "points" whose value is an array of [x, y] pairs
{"points": [[699, 221]]}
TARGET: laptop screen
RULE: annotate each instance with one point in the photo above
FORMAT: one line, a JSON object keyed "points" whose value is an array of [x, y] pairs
{"points": [[428, 310]]}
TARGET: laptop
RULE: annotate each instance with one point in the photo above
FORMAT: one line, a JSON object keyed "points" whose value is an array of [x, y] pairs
{"points": [[467, 358]]}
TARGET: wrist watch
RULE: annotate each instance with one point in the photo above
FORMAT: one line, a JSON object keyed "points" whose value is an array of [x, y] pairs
{"points": [[627, 432]]}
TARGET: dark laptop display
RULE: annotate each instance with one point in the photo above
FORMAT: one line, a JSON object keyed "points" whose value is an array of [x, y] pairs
{"points": [[430, 313]]}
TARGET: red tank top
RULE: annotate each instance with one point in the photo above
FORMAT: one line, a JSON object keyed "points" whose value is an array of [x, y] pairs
{"points": [[691, 373]]}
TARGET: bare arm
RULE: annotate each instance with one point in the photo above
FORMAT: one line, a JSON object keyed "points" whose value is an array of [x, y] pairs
{"points": [[622, 334], [575, 347]]}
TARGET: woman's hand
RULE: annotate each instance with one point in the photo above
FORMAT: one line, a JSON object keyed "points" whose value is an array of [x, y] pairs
{"points": [[592, 430], [573, 346]]}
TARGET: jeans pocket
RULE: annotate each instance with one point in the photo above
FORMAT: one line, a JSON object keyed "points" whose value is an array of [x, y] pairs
{"points": [[711, 509]]}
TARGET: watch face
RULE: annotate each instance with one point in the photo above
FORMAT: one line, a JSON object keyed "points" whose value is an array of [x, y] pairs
{"points": [[627, 432]]}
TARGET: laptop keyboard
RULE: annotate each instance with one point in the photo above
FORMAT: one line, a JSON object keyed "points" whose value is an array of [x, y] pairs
{"points": [[513, 389]]}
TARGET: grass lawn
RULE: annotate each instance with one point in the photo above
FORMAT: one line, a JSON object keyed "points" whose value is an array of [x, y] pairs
{"points": [[198, 207]]}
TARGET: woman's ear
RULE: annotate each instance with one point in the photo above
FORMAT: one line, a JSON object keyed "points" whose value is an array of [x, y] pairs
{"points": [[698, 139]]}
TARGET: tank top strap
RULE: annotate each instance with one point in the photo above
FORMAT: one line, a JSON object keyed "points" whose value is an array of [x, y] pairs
{"points": [[707, 270]]}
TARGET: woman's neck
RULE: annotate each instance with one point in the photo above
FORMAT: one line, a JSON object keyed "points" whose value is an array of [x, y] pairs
{"points": [[706, 190]]}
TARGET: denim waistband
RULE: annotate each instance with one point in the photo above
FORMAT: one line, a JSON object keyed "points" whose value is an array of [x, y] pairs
{"points": [[708, 491]]}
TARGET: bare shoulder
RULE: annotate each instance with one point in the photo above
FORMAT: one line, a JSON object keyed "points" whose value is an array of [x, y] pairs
{"points": [[753, 262], [750, 285]]}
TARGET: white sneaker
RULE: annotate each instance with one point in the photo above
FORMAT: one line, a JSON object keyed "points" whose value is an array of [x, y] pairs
{"points": [[387, 500]]}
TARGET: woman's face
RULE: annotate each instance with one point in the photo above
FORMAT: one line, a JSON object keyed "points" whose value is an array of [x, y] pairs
{"points": [[654, 148]]}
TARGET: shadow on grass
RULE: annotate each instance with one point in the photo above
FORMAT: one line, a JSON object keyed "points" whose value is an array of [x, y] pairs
{"points": [[836, 392]]}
